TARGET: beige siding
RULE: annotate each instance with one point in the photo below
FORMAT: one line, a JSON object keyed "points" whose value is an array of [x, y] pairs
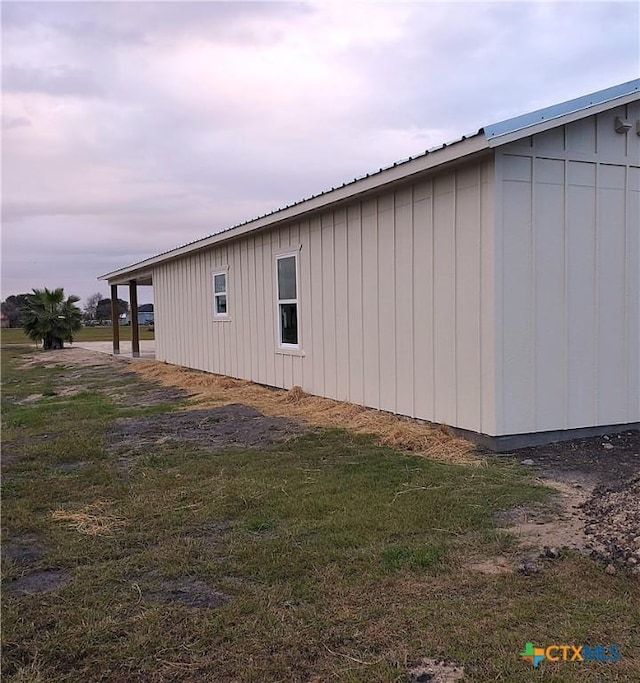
{"points": [[569, 258], [396, 303]]}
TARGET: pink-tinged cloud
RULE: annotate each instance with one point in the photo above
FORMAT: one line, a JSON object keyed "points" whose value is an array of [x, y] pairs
{"points": [[130, 128]]}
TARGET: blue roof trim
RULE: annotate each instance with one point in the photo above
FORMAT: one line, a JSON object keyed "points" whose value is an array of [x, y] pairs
{"points": [[557, 110]]}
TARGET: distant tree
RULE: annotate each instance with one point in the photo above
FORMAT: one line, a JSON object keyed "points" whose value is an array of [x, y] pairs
{"points": [[48, 317], [12, 306], [91, 305], [103, 309]]}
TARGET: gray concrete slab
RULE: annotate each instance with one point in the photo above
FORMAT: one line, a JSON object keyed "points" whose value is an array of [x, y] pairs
{"points": [[147, 348]]}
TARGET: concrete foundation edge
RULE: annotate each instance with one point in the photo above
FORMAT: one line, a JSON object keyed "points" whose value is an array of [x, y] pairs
{"points": [[511, 442]]}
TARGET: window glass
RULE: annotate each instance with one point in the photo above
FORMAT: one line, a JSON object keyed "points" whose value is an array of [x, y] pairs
{"points": [[287, 277], [221, 304], [220, 283], [289, 323]]}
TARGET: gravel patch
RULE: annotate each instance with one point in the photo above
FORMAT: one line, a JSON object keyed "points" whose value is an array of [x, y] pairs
{"points": [[613, 524], [598, 504]]}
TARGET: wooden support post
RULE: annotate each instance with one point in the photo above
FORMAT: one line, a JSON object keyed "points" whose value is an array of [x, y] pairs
{"points": [[115, 320], [133, 310]]}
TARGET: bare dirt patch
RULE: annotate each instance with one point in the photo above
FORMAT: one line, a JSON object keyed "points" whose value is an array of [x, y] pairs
{"points": [[64, 391], [67, 357], [597, 508], [432, 671], [607, 459], [231, 425], [557, 523], [187, 591], [145, 395], [492, 565], [68, 467], [23, 551], [35, 583], [31, 398]]}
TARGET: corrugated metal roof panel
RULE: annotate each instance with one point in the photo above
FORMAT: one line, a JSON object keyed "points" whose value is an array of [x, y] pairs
{"points": [[557, 110]]}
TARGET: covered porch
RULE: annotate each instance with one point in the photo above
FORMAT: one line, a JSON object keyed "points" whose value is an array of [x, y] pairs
{"points": [[135, 348]]}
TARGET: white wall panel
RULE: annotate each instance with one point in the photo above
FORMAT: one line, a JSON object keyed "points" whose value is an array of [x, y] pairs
{"points": [[570, 255], [518, 353], [355, 306], [581, 293], [317, 386], [370, 307], [468, 302], [423, 276], [490, 300], [341, 298], [633, 285], [610, 276], [403, 305], [444, 298], [328, 285], [387, 302], [549, 297]]}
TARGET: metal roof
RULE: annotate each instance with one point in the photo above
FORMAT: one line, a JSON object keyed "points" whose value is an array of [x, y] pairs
{"points": [[558, 110], [487, 137]]}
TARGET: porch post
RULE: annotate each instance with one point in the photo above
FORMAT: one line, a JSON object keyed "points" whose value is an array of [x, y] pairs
{"points": [[133, 308], [115, 320]]}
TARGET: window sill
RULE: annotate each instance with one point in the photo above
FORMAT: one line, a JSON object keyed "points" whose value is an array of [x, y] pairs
{"points": [[290, 352], [222, 320]]}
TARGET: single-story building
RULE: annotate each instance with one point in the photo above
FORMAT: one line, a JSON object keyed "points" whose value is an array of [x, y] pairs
{"points": [[491, 284]]}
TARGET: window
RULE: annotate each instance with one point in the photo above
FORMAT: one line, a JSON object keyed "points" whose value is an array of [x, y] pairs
{"points": [[220, 300], [287, 272]]}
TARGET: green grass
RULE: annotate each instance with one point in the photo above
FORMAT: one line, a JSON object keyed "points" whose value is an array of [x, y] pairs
{"points": [[342, 560], [85, 334]]}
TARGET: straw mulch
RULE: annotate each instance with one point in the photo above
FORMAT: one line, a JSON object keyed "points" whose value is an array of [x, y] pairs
{"points": [[94, 519], [209, 390]]}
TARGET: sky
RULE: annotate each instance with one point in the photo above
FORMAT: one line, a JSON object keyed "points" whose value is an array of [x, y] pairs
{"points": [[132, 128]]}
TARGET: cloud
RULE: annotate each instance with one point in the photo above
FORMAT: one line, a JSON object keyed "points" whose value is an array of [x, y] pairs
{"points": [[10, 122], [56, 81], [130, 128]]}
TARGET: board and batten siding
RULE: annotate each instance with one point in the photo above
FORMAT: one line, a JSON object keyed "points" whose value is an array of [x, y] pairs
{"points": [[568, 264], [396, 303]]}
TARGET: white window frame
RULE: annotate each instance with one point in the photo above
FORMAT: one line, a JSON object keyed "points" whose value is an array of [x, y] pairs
{"points": [[281, 345], [225, 272]]}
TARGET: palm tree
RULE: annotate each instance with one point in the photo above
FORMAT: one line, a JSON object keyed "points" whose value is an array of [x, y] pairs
{"points": [[49, 317]]}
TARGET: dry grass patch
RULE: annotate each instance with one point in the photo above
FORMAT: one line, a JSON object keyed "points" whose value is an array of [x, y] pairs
{"points": [[94, 519], [433, 441]]}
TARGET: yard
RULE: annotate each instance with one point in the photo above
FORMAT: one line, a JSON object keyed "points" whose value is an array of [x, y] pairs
{"points": [[86, 334], [151, 536]]}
